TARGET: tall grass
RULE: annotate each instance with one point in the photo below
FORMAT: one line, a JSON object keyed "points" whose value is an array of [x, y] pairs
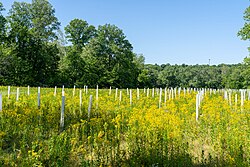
{"points": [[120, 134]]}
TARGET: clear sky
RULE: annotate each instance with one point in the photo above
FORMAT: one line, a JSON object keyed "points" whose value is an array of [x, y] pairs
{"points": [[167, 31]]}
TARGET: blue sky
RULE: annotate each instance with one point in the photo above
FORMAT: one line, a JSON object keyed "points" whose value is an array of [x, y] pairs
{"points": [[167, 31]]}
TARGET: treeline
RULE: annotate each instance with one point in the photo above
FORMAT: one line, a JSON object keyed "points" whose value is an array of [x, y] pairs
{"points": [[34, 51], [196, 76]]}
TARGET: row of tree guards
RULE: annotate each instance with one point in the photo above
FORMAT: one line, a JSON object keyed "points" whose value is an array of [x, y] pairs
{"points": [[169, 93]]}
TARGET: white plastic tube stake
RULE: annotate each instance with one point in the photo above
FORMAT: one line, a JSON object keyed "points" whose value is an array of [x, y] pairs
{"points": [[120, 96], [90, 106], [165, 95], [28, 90], [74, 90], [8, 92], [160, 94], [110, 90], [55, 91], [17, 94], [197, 106], [116, 93], [62, 111], [153, 92], [1, 102], [80, 98]]}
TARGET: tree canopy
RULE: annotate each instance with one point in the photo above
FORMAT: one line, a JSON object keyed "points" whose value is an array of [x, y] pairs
{"points": [[79, 32], [109, 58], [244, 33]]}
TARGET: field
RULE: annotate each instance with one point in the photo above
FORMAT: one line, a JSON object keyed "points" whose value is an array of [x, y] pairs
{"points": [[152, 128]]}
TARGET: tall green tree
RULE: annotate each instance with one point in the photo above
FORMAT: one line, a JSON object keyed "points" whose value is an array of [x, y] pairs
{"points": [[44, 22], [72, 68], [2, 24], [32, 28], [109, 59], [143, 77], [244, 33], [79, 32], [2, 30]]}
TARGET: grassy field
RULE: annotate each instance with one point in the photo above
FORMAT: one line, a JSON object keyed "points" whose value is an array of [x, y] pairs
{"points": [[121, 131]]}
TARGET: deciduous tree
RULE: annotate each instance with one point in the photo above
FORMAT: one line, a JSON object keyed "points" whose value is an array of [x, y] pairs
{"points": [[109, 59], [79, 32]]}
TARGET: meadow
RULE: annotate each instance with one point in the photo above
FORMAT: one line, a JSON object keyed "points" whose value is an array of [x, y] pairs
{"points": [[139, 127]]}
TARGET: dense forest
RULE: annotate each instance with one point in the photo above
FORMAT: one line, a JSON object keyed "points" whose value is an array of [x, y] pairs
{"points": [[35, 51]]}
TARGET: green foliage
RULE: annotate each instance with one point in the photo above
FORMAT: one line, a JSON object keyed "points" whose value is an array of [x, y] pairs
{"points": [[196, 76], [79, 33], [73, 68], [109, 59], [246, 72], [244, 33], [32, 58], [44, 21], [2, 24], [152, 75]]}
